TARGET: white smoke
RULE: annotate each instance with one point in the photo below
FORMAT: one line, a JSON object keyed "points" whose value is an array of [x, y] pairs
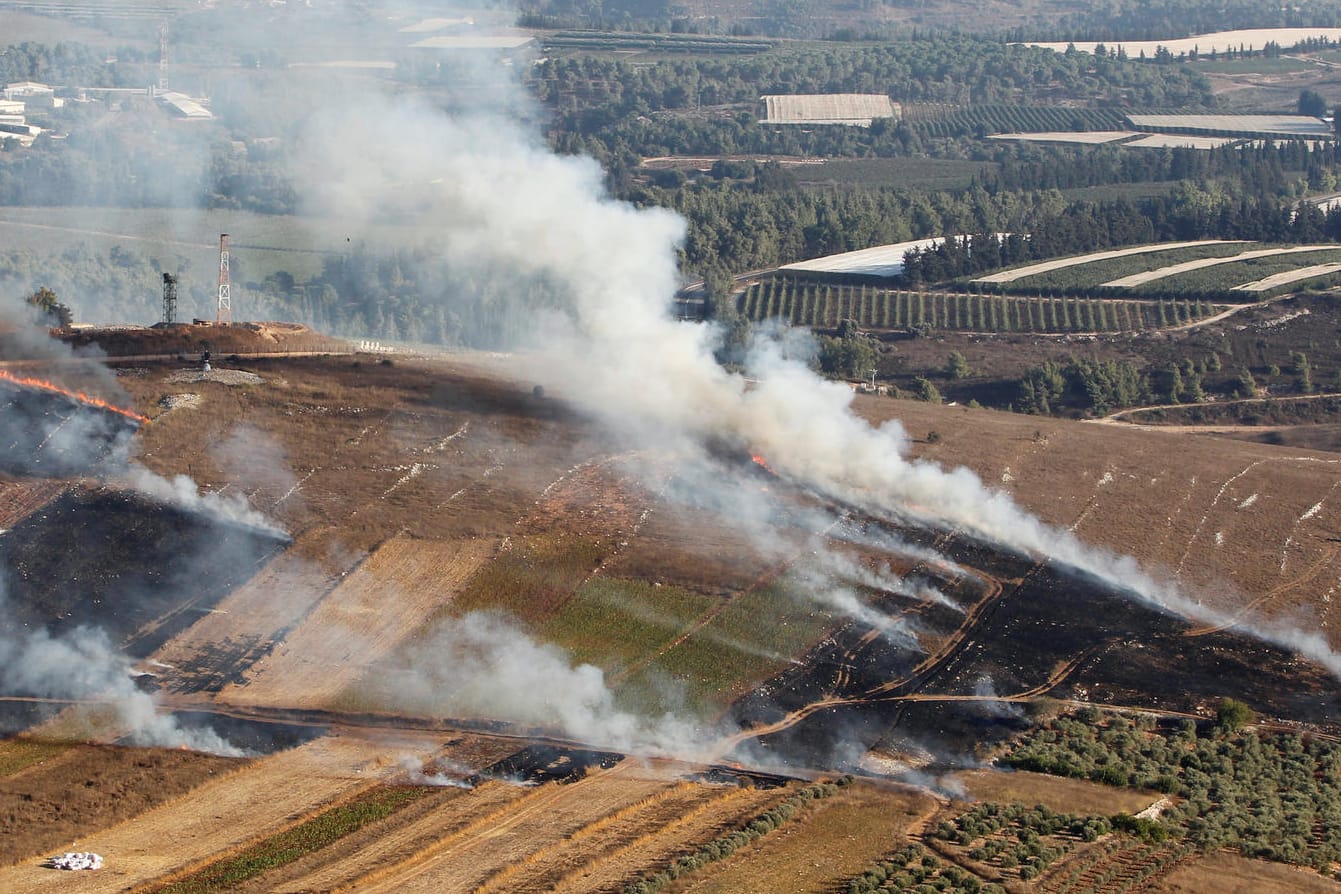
{"points": [[447, 774], [485, 666], [82, 665], [183, 492]]}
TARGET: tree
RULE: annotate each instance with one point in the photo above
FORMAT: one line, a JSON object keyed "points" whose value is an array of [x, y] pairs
{"points": [[1247, 385], [1312, 103], [1232, 714], [956, 367], [51, 308], [927, 391]]}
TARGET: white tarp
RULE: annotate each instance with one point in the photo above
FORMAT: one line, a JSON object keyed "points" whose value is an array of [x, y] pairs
{"points": [[76, 860]]}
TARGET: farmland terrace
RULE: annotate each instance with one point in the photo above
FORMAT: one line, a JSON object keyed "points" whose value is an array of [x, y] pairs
{"points": [[420, 495]]}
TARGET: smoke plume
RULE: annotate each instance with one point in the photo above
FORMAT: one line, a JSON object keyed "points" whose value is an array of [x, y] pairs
{"points": [[83, 665]]}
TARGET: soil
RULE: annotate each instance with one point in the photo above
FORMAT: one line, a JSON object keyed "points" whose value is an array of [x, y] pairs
{"points": [[414, 472], [57, 803]]}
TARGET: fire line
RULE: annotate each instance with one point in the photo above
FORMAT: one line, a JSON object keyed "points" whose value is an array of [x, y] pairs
{"points": [[79, 396]]}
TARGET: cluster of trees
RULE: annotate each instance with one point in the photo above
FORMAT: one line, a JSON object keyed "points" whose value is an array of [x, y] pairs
{"points": [[1266, 169], [71, 64], [1168, 19], [986, 831], [1274, 796], [914, 868], [1082, 385], [610, 107]]}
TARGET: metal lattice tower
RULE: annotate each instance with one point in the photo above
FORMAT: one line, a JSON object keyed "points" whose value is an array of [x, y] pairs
{"points": [[163, 57], [224, 315], [169, 299]]}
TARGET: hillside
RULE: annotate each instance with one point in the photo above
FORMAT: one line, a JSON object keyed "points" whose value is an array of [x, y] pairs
{"points": [[454, 542]]}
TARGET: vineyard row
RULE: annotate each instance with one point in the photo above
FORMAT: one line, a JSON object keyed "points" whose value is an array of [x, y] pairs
{"points": [[825, 306]]}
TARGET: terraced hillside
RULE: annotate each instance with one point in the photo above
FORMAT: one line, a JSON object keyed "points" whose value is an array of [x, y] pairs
{"points": [[485, 615]]}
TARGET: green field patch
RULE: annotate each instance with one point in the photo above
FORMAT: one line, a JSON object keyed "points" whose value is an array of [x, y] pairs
{"points": [[755, 636], [534, 578], [299, 841], [1097, 273], [928, 174], [613, 623], [1258, 65], [1226, 276], [805, 302], [20, 754]]}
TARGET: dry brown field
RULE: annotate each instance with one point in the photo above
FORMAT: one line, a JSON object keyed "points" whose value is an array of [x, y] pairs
{"points": [[421, 488]]}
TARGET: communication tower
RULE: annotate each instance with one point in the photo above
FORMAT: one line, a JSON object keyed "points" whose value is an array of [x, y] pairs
{"points": [[162, 57], [224, 315], [169, 299]]}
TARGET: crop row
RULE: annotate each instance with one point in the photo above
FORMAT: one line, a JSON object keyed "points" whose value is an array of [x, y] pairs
{"points": [[305, 838], [728, 844], [825, 306], [680, 43], [1021, 119]]}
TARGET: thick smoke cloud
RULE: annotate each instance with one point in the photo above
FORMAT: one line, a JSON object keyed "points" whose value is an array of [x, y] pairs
{"points": [[484, 665], [501, 204]]}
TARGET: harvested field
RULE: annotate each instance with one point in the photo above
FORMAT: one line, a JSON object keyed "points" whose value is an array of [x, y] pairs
{"points": [[1179, 141], [1225, 873], [482, 853], [827, 843], [715, 810], [223, 644], [394, 842], [350, 628], [1220, 41], [1045, 267], [70, 792], [1241, 125], [1084, 138], [1060, 794], [1288, 277], [1140, 279], [254, 801]]}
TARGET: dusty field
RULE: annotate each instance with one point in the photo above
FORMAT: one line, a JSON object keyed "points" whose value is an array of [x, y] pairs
{"points": [[53, 804], [351, 628], [831, 841], [1225, 873], [1064, 795], [258, 799], [1233, 523]]}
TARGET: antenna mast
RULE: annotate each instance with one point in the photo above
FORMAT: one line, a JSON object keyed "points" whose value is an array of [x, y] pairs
{"points": [[163, 57], [224, 315], [169, 299]]}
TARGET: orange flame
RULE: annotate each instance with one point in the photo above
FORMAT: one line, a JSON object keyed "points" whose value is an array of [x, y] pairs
{"points": [[80, 396], [762, 463]]}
